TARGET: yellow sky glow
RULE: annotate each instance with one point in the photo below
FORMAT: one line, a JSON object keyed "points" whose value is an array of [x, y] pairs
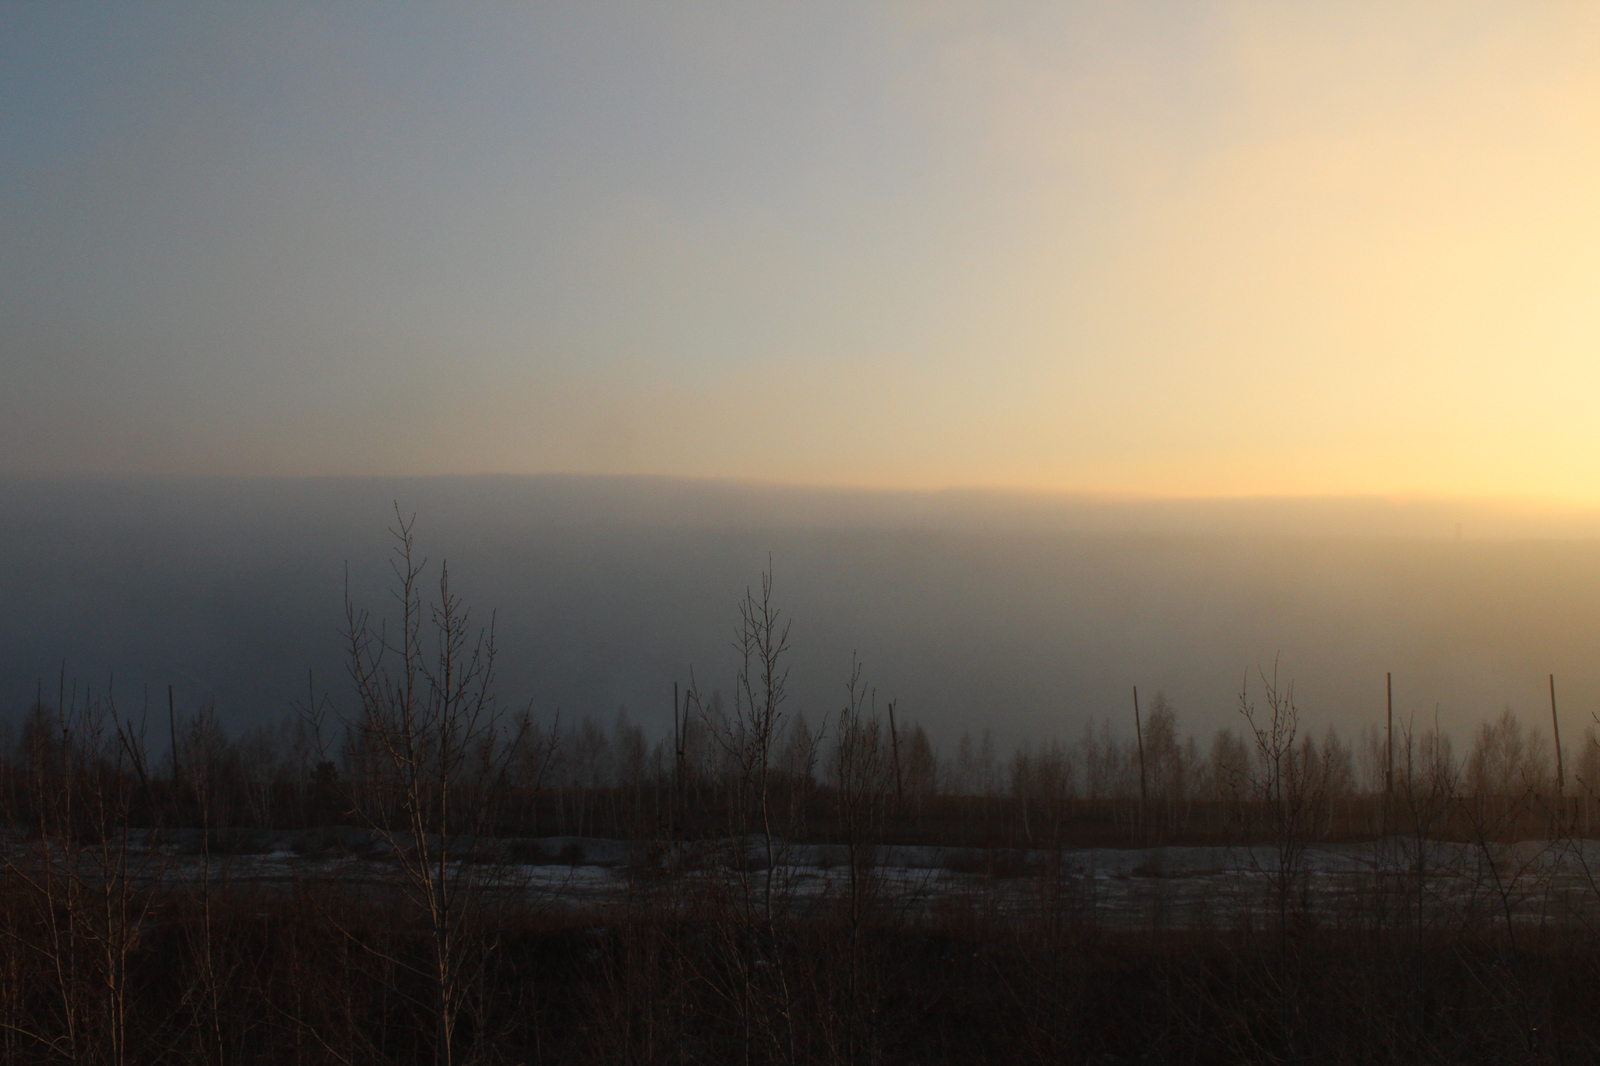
{"points": [[1172, 250]]}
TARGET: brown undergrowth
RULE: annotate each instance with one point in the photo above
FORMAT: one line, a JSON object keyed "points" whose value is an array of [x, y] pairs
{"points": [[327, 973]]}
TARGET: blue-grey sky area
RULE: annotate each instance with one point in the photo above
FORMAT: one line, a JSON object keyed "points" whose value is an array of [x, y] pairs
{"points": [[1162, 249], [293, 238]]}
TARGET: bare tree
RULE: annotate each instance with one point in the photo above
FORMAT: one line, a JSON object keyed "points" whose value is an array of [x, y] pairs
{"points": [[1289, 782], [433, 750], [82, 877], [747, 741], [759, 694], [862, 776]]}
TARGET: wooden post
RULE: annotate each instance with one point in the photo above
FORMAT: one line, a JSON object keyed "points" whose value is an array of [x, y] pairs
{"points": [[677, 763], [894, 743], [1388, 751], [172, 728], [1555, 727], [1388, 773], [1138, 732]]}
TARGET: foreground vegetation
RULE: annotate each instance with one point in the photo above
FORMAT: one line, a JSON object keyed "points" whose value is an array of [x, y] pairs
{"points": [[130, 931]]}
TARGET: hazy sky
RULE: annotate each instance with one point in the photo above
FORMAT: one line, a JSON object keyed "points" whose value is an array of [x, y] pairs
{"points": [[1162, 248], [971, 614]]}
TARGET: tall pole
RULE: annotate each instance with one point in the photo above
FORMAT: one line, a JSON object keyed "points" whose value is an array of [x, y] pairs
{"points": [[1555, 727], [172, 729], [1388, 773], [894, 742], [677, 760], [1138, 732]]}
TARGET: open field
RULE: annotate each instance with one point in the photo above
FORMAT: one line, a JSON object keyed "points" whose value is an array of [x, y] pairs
{"points": [[1543, 883]]}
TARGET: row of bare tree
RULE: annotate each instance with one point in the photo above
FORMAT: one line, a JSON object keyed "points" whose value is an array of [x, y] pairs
{"points": [[431, 701]]}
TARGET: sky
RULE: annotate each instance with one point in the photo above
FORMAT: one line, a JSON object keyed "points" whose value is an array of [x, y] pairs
{"points": [[1151, 249]]}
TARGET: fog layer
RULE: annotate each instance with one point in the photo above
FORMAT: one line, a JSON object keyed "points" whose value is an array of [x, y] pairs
{"points": [[1025, 616]]}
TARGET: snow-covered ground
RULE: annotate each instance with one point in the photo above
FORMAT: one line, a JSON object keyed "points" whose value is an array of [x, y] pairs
{"points": [[1163, 887]]}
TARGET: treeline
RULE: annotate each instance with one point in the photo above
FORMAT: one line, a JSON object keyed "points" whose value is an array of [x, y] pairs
{"points": [[588, 778], [127, 937]]}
